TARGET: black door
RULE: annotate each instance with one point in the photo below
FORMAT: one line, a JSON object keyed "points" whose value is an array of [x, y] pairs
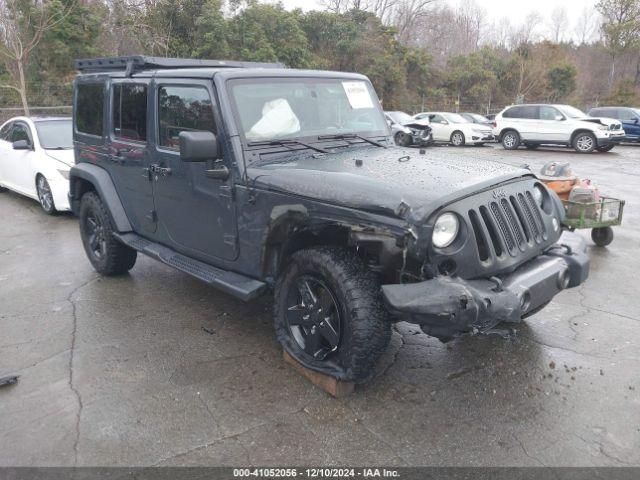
{"points": [[196, 214], [129, 151]]}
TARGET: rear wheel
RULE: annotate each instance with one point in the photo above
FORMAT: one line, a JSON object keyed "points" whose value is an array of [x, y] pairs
{"points": [[511, 140], [107, 255], [329, 314], [584, 142], [45, 196], [602, 236], [457, 138], [606, 148]]}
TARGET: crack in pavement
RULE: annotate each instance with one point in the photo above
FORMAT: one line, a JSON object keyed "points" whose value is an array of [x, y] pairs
{"points": [[524, 450], [601, 449], [72, 348], [379, 437], [206, 445]]}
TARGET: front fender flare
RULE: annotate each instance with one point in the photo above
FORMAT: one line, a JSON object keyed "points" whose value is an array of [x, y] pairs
{"points": [[103, 184]]}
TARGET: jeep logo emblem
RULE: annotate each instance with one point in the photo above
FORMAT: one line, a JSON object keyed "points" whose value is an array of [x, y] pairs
{"points": [[499, 193]]}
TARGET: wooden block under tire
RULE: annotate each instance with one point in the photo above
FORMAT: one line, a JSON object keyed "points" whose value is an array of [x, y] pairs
{"points": [[334, 387]]}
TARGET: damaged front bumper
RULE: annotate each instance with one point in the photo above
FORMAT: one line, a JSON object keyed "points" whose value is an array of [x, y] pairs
{"points": [[445, 307]]}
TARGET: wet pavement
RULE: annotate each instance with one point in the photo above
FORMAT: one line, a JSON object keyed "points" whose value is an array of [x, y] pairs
{"points": [[155, 368]]}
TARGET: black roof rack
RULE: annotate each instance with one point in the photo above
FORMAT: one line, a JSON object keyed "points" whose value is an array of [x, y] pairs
{"points": [[140, 62]]}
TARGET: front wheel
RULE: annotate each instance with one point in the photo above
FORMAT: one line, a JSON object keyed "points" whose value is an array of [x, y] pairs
{"points": [[107, 255], [605, 148], [329, 314], [602, 236], [45, 196], [402, 139], [511, 140], [584, 142], [457, 138]]}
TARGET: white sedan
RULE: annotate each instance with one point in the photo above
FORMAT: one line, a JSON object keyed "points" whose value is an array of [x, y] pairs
{"points": [[36, 155], [455, 129]]}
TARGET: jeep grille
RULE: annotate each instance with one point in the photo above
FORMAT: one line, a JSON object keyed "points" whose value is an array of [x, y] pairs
{"points": [[511, 224]]}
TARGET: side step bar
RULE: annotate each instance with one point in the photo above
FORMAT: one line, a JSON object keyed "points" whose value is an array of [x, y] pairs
{"points": [[239, 286]]}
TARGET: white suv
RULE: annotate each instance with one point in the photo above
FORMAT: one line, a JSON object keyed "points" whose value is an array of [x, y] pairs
{"points": [[535, 125]]}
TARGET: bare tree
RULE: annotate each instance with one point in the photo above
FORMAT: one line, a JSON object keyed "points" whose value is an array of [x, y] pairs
{"points": [[22, 26], [408, 16], [586, 26], [558, 23]]}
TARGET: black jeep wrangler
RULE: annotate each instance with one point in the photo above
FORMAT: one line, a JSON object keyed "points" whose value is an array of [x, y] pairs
{"points": [[254, 178]]}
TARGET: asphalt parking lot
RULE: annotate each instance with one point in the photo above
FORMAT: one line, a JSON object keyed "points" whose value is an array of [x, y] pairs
{"points": [[155, 368]]}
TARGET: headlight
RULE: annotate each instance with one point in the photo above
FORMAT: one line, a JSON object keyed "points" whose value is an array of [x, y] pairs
{"points": [[64, 173], [445, 230], [538, 194]]}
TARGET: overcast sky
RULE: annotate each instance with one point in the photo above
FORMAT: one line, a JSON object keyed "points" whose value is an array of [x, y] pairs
{"points": [[515, 10]]}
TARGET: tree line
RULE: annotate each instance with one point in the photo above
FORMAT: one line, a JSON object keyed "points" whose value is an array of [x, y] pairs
{"points": [[418, 53]]}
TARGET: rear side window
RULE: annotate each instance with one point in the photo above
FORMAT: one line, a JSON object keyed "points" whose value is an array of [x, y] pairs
{"points": [[523, 111], [513, 112], [89, 108], [625, 115], [183, 109], [130, 112]]}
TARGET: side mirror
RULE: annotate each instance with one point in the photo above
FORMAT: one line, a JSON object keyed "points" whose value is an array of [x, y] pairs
{"points": [[21, 145], [445, 122], [198, 146], [636, 120], [560, 118]]}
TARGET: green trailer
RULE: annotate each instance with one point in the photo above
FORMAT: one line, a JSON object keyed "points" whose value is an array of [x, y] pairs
{"points": [[599, 216]]}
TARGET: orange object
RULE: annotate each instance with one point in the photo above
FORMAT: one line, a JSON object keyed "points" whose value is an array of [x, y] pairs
{"points": [[563, 187]]}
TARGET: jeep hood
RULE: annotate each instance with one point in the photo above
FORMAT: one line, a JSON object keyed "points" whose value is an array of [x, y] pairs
{"points": [[383, 180]]}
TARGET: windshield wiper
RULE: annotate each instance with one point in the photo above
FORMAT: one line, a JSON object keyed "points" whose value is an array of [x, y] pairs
{"points": [[346, 136], [285, 141]]}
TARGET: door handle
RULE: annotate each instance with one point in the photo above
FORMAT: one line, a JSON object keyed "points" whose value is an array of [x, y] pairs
{"points": [[220, 173]]}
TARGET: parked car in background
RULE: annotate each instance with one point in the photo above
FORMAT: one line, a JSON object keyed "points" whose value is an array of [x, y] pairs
{"points": [[629, 117], [477, 118], [455, 129], [36, 154], [407, 131], [540, 124]]}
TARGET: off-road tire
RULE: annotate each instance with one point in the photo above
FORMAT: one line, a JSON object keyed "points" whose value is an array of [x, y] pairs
{"points": [[117, 258], [457, 139], [605, 149], [602, 236], [365, 326], [45, 196], [584, 142], [402, 139], [510, 140]]}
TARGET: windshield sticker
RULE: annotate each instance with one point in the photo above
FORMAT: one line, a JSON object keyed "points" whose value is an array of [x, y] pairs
{"points": [[358, 94]]}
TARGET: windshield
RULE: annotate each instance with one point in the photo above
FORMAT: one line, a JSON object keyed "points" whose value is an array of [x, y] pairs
{"points": [[479, 118], [55, 134], [572, 112], [455, 118], [400, 117], [271, 109]]}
